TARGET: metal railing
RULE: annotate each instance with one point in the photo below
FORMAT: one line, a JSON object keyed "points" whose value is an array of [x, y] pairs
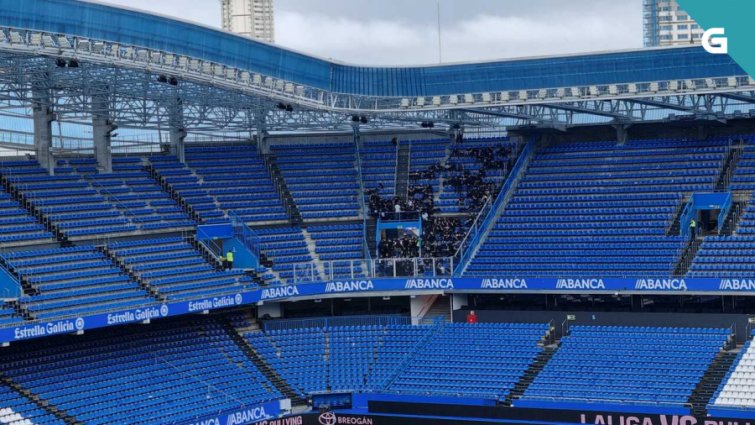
{"points": [[365, 210], [251, 240], [211, 247], [330, 322], [386, 268], [728, 203], [686, 217], [439, 323], [476, 233]]}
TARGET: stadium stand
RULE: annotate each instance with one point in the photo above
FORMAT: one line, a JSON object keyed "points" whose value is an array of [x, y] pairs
{"points": [[73, 281], [222, 180], [338, 358], [284, 249], [424, 154], [17, 410], [382, 357], [737, 391], [379, 168], [627, 365], [8, 315], [79, 202], [322, 178], [743, 178], [454, 198], [171, 372], [139, 197], [599, 209], [482, 360], [175, 269], [339, 249]]}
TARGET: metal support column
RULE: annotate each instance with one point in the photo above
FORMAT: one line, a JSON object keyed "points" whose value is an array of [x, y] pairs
{"points": [[622, 133], [177, 131], [102, 131], [43, 118]]}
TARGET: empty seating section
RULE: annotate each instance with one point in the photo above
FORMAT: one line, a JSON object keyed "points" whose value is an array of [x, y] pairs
{"points": [[379, 168], [728, 256], [17, 410], [634, 365], [599, 209], [743, 178], [17, 226], [340, 247], [724, 256], [352, 353], [298, 356], [168, 372], [287, 249], [339, 358], [176, 270], [81, 202], [74, 281], [217, 181], [138, 197], [8, 315], [322, 179], [473, 360], [737, 390]]}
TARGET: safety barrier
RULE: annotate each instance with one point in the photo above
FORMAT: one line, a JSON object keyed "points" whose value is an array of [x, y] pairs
{"points": [[439, 322], [245, 234], [329, 322], [490, 210]]}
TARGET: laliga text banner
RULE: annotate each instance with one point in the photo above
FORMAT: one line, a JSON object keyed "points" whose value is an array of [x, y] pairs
{"points": [[461, 285]]}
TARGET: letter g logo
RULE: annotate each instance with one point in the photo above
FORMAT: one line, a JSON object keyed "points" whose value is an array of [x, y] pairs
{"points": [[723, 41]]}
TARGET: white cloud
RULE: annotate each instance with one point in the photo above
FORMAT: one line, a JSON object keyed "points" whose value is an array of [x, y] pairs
{"points": [[391, 38], [478, 38]]}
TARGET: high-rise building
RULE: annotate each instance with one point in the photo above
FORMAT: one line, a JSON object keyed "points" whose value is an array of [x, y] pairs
{"points": [[667, 24], [250, 18]]}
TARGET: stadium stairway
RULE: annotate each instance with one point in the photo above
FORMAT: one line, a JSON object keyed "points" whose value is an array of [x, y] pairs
{"points": [[690, 252], [402, 171], [174, 194], [713, 377], [251, 325], [371, 235], [730, 166], [441, 308], [537, 365], [732, 219], [271, 161], [676, 226], [42, 404]]}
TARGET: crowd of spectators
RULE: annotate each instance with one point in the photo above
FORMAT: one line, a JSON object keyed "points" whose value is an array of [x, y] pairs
{"points": [[419, 203], [406, 246], [441, 236]]}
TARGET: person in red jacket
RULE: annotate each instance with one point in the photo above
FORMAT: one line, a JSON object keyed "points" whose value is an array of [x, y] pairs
{"points": [[471, 317]]}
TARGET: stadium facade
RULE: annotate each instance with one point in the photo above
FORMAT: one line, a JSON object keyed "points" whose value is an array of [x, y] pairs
{"points": [[294, 232]]}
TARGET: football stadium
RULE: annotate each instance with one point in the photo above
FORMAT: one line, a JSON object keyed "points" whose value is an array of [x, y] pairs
{"points": [[201, 228]]}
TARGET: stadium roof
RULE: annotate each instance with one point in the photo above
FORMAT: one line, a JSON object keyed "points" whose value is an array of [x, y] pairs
{"points": [[220, 71]]}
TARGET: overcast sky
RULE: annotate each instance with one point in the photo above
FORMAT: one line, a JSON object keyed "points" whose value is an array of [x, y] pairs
{"points": [[402, 32]]}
